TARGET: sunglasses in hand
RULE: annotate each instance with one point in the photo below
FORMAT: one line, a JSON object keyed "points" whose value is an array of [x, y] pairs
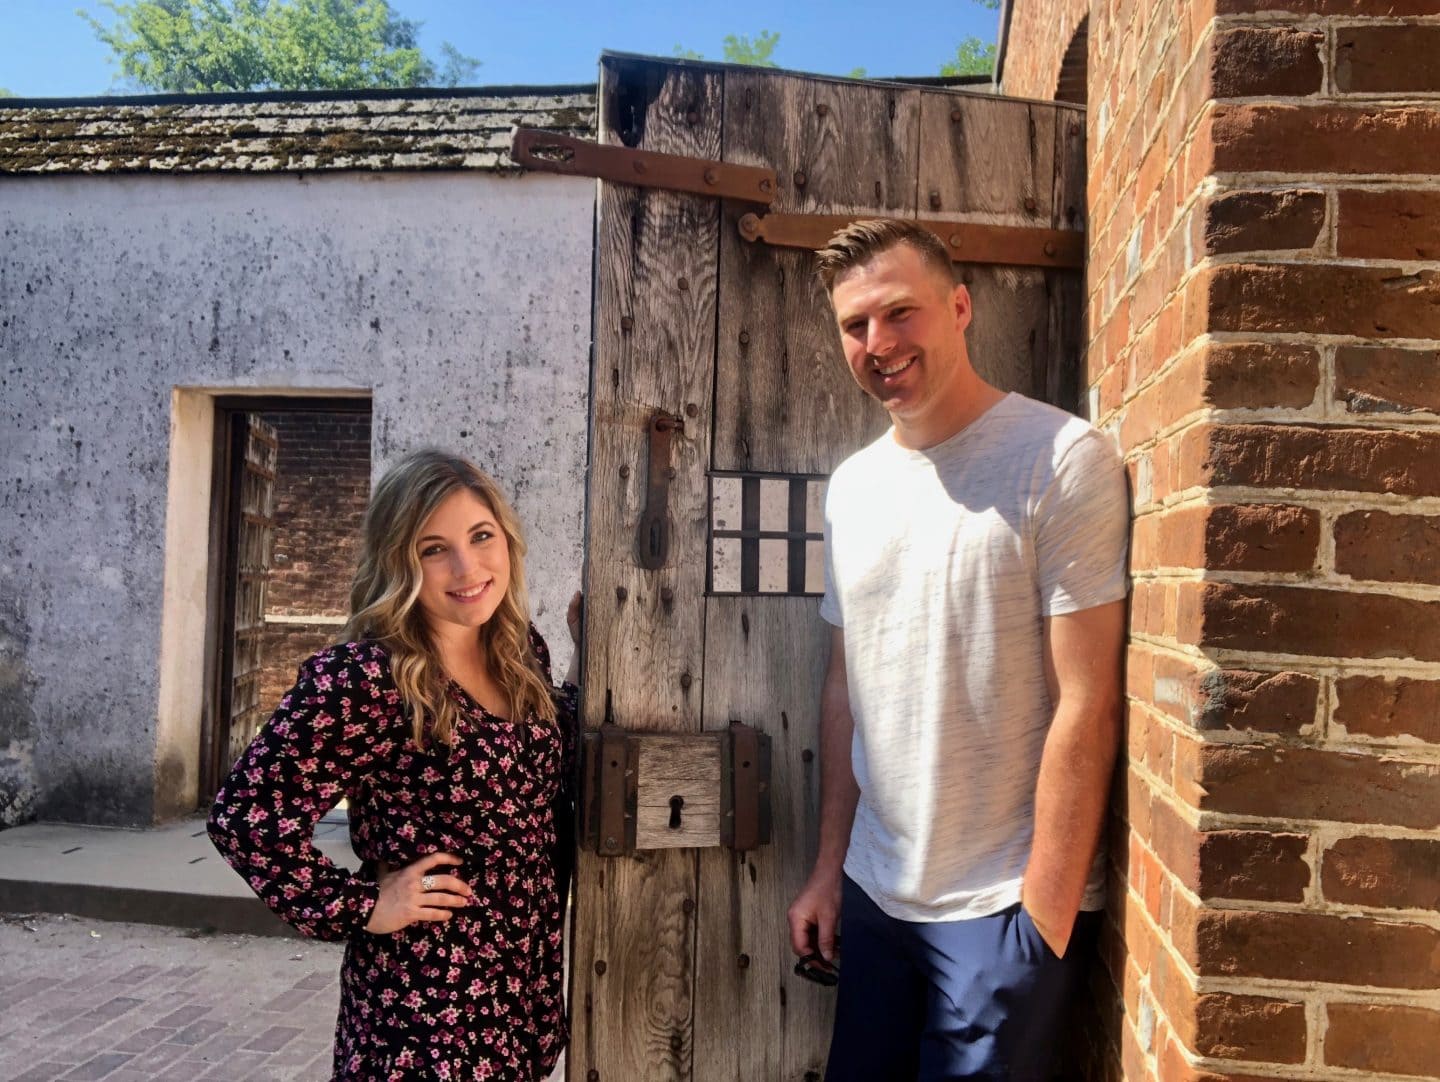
{"points": [[814, 967]]}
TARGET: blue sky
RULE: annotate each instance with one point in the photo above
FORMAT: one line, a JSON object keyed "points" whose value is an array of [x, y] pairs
{"points": [[46, 50]]}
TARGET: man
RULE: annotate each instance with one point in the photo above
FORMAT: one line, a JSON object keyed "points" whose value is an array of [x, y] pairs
{"points": [[975, 576]]}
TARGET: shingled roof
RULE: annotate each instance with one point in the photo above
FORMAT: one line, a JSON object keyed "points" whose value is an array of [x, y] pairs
{"points": [[284, 132]]}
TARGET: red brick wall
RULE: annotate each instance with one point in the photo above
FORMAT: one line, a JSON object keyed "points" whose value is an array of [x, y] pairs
{"points": [[1264, 316], [321, 487], [1040, 32]]}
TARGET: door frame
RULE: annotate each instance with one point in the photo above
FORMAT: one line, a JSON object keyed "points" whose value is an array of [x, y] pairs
{"points": [[230, 409]]}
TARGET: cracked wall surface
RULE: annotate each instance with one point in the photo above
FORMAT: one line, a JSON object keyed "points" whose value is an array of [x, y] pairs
{"points": [[459, 301]]}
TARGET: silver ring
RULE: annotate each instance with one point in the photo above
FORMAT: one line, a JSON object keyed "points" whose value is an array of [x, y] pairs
{"points": [[427, 883]]}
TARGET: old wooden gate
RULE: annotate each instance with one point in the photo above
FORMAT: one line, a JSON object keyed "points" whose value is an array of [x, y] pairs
{"points": [[252, 531], [681, 968]]}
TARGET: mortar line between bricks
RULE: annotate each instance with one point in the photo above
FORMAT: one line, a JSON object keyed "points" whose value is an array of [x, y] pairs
{"points": [[1239, 659], [1390, 752], [1316, 1028], [1408, 917], [1230, 179], [1231, 659], [1409, 590], [1291, 1072], [1315, 339], [1214, 820], [1315, 497], [1322, 994], [1309, 257]]}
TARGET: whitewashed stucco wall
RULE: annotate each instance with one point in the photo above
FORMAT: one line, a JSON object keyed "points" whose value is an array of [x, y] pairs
{"points": [[460, 301]]}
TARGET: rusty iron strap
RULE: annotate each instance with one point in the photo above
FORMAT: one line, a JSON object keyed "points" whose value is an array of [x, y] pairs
{"points": [[749, 796], [544, 150], [652, 535], [615, 776], [968, 242]]}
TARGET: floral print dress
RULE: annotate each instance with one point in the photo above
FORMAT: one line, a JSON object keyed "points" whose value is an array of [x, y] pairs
{"points": [[479, 996]]}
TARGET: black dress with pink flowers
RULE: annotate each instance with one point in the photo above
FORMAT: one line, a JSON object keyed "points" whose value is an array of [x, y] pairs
{"points": [[479, 996]]}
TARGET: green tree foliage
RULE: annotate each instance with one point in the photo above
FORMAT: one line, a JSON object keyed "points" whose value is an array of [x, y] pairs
{"points": [[972, 57], [4, 93], [742, 49], [195, 46]]}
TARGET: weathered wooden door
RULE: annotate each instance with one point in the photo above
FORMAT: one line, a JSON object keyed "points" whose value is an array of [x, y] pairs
{"points": [[252, 531], [681, 965]]}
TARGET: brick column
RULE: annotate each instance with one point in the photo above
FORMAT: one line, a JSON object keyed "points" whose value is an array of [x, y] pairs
{"points": [[1264, 307]]}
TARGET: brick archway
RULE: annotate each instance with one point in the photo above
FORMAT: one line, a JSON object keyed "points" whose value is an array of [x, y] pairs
{"points": [[1071, 85]]}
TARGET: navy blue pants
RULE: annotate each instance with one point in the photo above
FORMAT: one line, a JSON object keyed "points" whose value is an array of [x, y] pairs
{"points": [[983, 998]]}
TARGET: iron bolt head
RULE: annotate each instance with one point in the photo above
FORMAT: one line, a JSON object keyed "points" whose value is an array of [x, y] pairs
{"points": [[1030, 204], [627, 323], [683, 283], [624, 471], [600, 968], [800, 178]]}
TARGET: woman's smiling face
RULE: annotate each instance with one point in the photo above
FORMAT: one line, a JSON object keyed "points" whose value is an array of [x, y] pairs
{"points": [[464, 564]]}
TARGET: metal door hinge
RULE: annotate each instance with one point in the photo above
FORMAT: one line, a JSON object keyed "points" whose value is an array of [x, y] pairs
{"points": [[535, 148]]}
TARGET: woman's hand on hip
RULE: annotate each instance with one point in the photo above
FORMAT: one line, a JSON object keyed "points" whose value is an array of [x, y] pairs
{"points": [[416, 892]]}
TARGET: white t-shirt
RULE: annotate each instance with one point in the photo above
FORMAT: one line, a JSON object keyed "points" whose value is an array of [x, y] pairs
{"points": [[941, 565]]}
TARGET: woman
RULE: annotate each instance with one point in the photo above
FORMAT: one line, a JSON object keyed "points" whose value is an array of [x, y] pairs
{"points": [[437, 720]]}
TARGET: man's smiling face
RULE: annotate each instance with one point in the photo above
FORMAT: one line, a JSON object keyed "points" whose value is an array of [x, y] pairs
{"points": [[902, 327]]}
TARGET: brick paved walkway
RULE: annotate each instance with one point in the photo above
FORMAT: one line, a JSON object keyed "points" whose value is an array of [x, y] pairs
{"points": [[84, 999], [149, 1003]]}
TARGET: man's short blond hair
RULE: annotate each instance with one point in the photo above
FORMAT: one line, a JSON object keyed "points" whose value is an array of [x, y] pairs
{"points": [[860, 242]]}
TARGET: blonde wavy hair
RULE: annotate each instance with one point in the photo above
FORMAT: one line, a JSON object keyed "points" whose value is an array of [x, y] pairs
{"points": [[384, 597]]}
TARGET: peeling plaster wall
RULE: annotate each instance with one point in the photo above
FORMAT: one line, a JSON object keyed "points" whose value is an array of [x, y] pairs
{"points": [[461, 301]]}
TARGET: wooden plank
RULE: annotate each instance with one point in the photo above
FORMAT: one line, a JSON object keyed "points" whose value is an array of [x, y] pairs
{"points": [[785, 400], [967, 242], [633, 944], [764, 661], [1063, 382], [964, 176], [683, 766]]}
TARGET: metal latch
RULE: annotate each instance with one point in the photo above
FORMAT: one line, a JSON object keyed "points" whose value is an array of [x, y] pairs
{"points": [[535, 148], [652, 535], [645, 790]]}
